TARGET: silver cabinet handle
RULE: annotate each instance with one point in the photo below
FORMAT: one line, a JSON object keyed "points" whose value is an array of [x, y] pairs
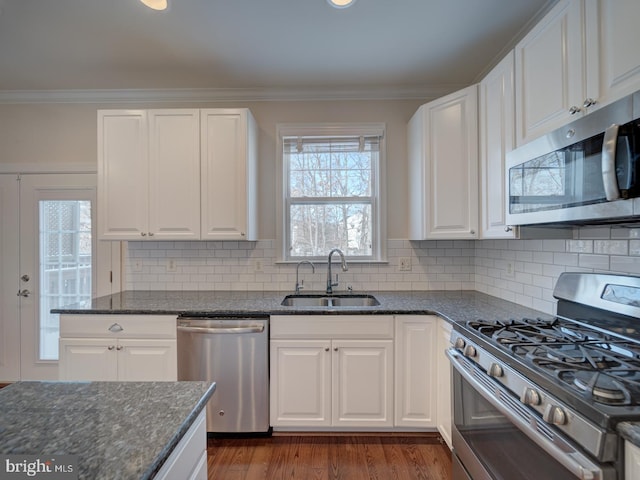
{"points": [[144, 234], [589, 102], [609, 178], [151, 234], [25, 278], [110, 347], [119, 347], [24, 293], [116, 327], [573, 110]]}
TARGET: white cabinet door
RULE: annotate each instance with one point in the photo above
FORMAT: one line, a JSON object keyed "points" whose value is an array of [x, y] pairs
{"points": [[174, 174], [147, 360], [619, 52], [443, 367], [555, 72], [123, 170], [229, 183], [497, 123], [415, 389], [443, 168], [300, 383], [87, 359], [149, 174], [362, 383]]}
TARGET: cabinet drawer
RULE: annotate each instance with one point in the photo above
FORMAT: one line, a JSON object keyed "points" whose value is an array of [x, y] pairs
{"points": [[133, 326], [331, 326]]}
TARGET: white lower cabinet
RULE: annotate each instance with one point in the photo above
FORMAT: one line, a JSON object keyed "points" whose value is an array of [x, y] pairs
{"points": [[415, 375], [331, 371], [118, 347], [366, 372]]}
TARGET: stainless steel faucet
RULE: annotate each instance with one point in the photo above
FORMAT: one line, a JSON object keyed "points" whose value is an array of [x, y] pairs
{"points": [[330, 284], [300, 286]]}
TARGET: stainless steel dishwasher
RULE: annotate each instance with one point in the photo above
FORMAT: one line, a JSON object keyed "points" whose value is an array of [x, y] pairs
{"points": [[234, 353]]}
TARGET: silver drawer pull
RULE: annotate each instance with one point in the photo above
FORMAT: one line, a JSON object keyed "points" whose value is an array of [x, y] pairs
{"points": [[116, 327]]}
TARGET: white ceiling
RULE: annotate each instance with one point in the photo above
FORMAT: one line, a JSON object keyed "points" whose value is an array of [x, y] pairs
{"points": [[255, 44]]}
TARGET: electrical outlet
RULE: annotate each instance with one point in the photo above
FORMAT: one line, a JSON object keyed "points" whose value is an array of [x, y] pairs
{"points": [[510, 270], [258, 265], [405, 264], [172, 265]]}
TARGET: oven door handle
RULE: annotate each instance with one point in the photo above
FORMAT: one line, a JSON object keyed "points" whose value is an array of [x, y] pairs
{"points": [[571, 459]]}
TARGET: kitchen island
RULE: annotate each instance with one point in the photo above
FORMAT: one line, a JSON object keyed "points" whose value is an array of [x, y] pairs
{"points": [[117, 430]]}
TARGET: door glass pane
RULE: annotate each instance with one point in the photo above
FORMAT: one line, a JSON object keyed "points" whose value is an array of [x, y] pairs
{"points": [[65, 264]]}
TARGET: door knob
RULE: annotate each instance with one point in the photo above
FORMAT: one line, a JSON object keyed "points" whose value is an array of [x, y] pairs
{"points": [[24, 293], [25, 278]]}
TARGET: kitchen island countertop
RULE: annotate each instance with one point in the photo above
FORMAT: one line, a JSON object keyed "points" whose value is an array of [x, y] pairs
{"points": [[118, 430]]}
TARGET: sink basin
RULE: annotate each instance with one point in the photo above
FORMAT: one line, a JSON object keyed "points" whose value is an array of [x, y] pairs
{"points": [[350, 300]]}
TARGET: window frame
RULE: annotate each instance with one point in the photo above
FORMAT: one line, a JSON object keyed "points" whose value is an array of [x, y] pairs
{"points": [[378, 203]]}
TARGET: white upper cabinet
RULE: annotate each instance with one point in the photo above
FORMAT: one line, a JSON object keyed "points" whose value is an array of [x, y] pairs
{"points": [[555, 75], [148, 174], [497, 120], [177, 174], [581, 56], [619, 52], [443, 168], [229, 174]]}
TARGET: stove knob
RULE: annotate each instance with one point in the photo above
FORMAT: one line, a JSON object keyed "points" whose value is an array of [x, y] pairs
{"points": [[530, 397], [459, 344], [554, 415], [470, 351], [495, 370]]}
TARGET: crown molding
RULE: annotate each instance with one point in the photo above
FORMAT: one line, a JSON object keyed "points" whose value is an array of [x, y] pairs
{"points": [[225, 94]]}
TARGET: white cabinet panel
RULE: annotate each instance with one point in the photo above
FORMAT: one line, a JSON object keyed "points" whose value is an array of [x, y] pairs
{"points": [[123, 172], [229, 182], [497, 124], [554, 74], [362, 383], [619, 52], [443, 168], [415, 388], [443, 367], [118, 347], [300, 382]]}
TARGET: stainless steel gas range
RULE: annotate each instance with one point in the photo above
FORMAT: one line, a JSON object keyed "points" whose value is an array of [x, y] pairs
{"points": [[540, 397]]}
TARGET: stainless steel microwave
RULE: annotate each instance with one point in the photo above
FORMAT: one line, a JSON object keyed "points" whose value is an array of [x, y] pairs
{"points": [[587, 172]]}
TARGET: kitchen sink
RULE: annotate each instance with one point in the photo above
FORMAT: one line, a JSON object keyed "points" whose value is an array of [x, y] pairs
{"points": [[350, 300]]}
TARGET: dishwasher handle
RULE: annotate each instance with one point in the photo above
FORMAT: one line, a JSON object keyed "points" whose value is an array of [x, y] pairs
{"points": [[257, 328]]}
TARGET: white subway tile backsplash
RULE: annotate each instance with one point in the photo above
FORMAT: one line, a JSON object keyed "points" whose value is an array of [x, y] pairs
{"points": [[435, 265]]}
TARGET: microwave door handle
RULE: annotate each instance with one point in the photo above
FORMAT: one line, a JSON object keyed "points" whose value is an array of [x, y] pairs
{"points": [[609, 178]]}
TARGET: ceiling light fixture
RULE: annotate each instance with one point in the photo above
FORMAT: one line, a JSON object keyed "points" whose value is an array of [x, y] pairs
{"points": [[341, 3], [156, 4]]}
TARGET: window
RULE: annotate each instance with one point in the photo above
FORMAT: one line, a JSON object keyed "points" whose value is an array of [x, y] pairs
{"points": [[331, 191]]}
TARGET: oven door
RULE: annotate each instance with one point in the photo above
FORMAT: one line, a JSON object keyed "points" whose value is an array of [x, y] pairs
{"points": [[496, 437]]}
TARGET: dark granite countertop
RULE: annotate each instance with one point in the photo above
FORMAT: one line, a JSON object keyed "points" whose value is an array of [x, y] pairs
{"points": [[452, 305], [118, 430]]}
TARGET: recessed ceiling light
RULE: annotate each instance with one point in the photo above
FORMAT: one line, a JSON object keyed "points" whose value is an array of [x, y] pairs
{"points": [[156, 4], [341, 3]]}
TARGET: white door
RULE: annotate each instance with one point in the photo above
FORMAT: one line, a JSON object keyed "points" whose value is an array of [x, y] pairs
{"points": [[59, 260]]}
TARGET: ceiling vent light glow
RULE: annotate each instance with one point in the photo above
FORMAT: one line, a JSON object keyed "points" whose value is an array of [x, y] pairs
{"points": [[341, 3], [156, 4]]}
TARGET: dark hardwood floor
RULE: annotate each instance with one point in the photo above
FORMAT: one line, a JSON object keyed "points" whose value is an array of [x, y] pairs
{"points": [[329, 457]]}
